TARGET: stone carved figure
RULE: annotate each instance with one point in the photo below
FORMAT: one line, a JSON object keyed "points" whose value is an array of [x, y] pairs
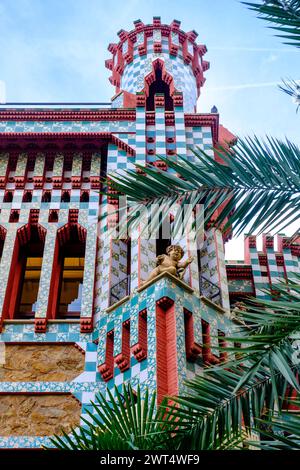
{"points": [[170, 263]]}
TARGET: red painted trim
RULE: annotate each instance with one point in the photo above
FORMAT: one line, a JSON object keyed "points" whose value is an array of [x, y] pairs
{"points": [[193, 350], [139, 350], [55, 282], [166, 351], [107, 368], [208, 357], [67, 115], [123, 359]]}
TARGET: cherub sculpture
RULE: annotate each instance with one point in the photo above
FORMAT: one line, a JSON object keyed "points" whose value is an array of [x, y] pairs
{"points": [[170, 263]]}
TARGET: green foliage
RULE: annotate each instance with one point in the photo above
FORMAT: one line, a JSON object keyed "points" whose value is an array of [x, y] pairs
{"points": [[223, 407], [124, 422], [260, 183], [284, 16]]}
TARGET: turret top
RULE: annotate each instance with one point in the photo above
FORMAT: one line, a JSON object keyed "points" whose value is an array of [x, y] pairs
{"points": [[134, 56]]}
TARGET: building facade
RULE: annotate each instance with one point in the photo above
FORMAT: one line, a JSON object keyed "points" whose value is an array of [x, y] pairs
{"points": [[77, 317]]}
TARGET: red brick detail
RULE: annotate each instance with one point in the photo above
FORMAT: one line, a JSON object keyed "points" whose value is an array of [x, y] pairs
{"points": [[40, 325], [173, 49], [165, 302], [249, 242], [107, 368], [166, 350], [19, 182], [38, 182], [178, 100], [86, 325], [150, 118], [160, 164], [95, 182], [142, 50], [139, 350], [122, 360], [33, 220], [193, 350], [140, 100], [268, 242], [159, 101], [57, 182], [208, 357], [157, 47], [76, 182], [239, 271]]}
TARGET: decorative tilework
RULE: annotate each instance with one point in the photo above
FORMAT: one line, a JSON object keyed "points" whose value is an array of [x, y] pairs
{"points": [[184, 80], [66, 126]]}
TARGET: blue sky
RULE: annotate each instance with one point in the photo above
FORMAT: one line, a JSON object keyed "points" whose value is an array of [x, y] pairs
{"points": [[53, 50]]}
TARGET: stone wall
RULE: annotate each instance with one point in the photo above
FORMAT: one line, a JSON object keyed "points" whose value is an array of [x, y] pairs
{"points": [[38, 415], [41, 362]]}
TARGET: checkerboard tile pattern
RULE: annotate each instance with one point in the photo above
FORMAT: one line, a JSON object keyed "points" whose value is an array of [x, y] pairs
{"points": [[184, 80], [198, 137]]}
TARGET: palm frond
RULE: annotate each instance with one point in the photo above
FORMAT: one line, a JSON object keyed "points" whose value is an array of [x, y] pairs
{"points": [[126, 421], [282, 432], [284, 16], [257, 187], [292, 88]]}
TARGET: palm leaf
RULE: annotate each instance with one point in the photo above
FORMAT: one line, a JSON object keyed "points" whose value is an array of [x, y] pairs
{"points": [[259, 182], [284, 16]]}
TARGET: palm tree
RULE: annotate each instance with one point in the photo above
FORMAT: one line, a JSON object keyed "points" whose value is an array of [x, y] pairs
{"points": [[253, 392], [223, 407]]}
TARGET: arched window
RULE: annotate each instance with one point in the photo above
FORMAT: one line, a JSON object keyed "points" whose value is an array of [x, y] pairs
{"points": [[67, 276], [159, 86], [25, 272]]}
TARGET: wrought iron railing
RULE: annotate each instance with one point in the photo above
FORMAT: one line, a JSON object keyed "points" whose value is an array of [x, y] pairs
{"points": [[119, 290], [207, 288], [210, 290]]}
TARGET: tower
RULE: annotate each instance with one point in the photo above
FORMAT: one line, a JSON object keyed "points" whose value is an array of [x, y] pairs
{"points": [[78, 316]]}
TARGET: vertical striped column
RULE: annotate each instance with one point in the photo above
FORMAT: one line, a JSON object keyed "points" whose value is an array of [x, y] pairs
{"points": [[3, 168], [268, 249], [47, 267], [189, 244], [38, 177], [179, 125], [21, 170], [103, 263], [290, 261], [7, 257], [143, 259], [140, 129], [57, 175], [213, 266], [160, 126], [251, 257]]}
